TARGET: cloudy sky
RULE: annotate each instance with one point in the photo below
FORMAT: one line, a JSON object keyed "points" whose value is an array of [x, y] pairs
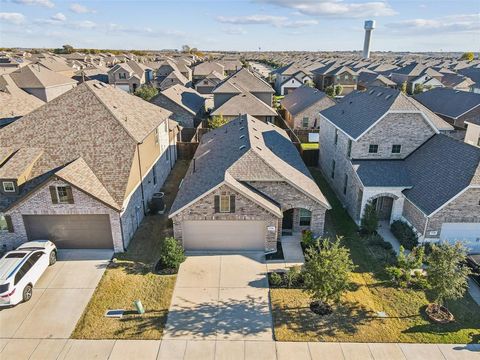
{"points": [[414, 25]]}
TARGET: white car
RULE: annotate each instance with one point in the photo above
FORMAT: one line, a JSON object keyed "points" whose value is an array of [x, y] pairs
{"points": [[20, 270]]}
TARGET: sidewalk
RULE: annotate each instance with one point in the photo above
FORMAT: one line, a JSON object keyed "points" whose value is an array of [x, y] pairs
{"points": [[63, 349]]}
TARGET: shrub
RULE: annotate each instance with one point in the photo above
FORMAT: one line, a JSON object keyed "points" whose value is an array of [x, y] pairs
{"points": [[292, 277], [401, 273], [330, 91], [146, 92], [369, 221], [217, 121], [276, 279], [171, 254], [307, 239], [405, 234]]}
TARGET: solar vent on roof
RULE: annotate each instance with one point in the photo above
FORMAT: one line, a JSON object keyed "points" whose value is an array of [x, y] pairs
{"points": [[242, 128], [242, 136], [242, 147], [97, 85], [388, 97], [371, 92], [380, 93]]}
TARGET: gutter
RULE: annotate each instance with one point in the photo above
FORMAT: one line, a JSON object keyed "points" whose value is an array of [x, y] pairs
{"points": [[141, 179]]}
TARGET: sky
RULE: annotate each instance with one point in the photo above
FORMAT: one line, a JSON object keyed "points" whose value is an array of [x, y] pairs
{"points": [[309, 25]]}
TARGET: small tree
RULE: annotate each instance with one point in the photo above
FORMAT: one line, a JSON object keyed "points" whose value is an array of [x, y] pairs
{"points": [[403, 87], [171, 254], [418, 89], [146, 92], [447, 272], [469, 56], [326, 272], [369, 221], [217, 121], [406, 264], [330, 91], [68, 49], [338, 90]]}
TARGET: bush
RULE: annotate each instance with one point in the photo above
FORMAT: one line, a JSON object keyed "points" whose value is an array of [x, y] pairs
{"points": [[404, 234], [146, 92], [377, 240], [171, 254], [308, 240], [406, 271], [276, 279], [369, 222], [292, 277]]}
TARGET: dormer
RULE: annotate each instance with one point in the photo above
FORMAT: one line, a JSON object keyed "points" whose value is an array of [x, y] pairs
{"points": [[16, 167]]}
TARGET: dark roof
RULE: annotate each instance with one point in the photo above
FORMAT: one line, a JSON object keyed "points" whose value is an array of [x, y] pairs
{"points": [[449, 102], [304, 97], [389, 173], [439, 170]]}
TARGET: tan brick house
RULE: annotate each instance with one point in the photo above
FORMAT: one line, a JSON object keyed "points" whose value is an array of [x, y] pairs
{"points": [[81, 169], [383, 147], [245, 186]]}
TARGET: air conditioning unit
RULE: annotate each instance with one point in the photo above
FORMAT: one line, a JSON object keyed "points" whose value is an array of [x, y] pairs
{"points": [[157, 204]]}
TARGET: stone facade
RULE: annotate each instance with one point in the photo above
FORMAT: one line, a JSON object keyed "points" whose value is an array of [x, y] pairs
{"points": [[414, 216], [311, 113], [40, 203], [245, 209]]}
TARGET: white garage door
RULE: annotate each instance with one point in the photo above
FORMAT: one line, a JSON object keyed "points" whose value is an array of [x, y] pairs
{"points": [[468, 233], [124, 87], [224, 235]]}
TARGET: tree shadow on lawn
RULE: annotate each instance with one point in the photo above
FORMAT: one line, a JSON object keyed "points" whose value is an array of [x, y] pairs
{"points": [[133, 325]]}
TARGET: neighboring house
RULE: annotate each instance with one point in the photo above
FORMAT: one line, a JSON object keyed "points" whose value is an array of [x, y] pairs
{"points": [[474, 74], [472, 135], [41, 82], [14, 102], [454, 106], [58, 65], [290, 77], [207, 85], [81, 170], [174, 78], [230, 66], [201, 70], [187, 105], [367, 79], [130, 76], [335, 74], [245, 186], [303, 106], [383, 147], [242, 81], [10, 64], [92, 72], [416, 73], [457, 82], [245, 103]]}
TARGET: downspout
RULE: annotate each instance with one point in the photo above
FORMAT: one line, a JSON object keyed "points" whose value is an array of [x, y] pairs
{"points": [[121, 230], [425, 229], [141, 179]]}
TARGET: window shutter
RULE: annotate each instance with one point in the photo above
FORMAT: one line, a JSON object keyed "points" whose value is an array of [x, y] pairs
{"points": [[232, 203], [53, 194], [217, 203], [69, 194], [8, 219]]}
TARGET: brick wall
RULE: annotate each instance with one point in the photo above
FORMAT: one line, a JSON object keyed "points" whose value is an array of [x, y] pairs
{"points": [[183, 117], [414, 216]]}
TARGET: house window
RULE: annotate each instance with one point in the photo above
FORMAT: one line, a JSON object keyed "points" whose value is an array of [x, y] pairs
{"points": [[396, 149], [3, 223], [8, 186], [346, 77], [305, 217], [154, 173], [373, 149], [349, 149], [305, 122], [345, 184], [336, 137], [62, 194], [224, 203], [333, 169], [122, 75], [156, 136]]}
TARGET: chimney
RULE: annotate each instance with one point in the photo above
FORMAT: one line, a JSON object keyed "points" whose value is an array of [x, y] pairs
{"points": [[368, 26]]}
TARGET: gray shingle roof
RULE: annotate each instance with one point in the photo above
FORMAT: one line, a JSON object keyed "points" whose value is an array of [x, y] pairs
{"points": [[449, 102], [242, 81], [388, 173], [304, 97], [187, 98], [243, 102]]}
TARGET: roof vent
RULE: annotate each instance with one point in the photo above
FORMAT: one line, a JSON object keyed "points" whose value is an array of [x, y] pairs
{"points": [[388, 97], [379, 94], [259, 148], [242, 136], [242, 128], [242, 147], [371, 92]]}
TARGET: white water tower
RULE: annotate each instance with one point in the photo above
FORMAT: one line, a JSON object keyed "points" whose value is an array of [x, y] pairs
{"points": [[369, 26]]}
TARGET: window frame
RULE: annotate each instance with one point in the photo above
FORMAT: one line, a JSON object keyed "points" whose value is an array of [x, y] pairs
{"points": [[394, 146], [61, 200], [302, 217], [349, 148], [345, 184], [220, 206], [305, 122], [2, 217], [373, 146], [8, 182]]}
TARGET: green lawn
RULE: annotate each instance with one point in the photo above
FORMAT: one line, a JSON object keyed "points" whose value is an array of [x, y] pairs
{"points": [[356, 319], [130, 277], [309, 146]]}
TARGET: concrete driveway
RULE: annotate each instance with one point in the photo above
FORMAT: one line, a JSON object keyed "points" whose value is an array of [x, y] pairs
{"points": [[59, 297], [221, 297]]}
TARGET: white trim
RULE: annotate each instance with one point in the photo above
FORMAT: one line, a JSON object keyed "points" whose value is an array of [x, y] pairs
{"points": [[8, 182], [323, 116], [198, 198], [220, 204]]}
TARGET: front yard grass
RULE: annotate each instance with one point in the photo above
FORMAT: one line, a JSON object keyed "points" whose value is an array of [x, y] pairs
{"points": [[130, 277], [357, 318]]}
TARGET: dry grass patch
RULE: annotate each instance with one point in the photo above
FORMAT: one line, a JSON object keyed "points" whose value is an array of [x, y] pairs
{"points": [[130, 277]]}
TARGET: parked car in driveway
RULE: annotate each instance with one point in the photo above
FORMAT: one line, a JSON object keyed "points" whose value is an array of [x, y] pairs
{"points": [[20, 270], [473, 261]]}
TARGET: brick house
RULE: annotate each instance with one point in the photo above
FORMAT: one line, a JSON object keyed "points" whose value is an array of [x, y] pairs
{"points": [[383, 147], [245, 186], [303, 106], [130, 76], [81, 169], [334, 74]]}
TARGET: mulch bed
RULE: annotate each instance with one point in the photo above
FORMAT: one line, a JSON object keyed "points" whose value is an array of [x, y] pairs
{"points": [[439, 314]]}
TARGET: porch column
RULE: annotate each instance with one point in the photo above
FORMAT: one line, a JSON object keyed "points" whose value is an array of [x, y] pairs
{"points": [[317, 222]]}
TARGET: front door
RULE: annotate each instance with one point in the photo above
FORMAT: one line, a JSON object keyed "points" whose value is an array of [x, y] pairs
{"points": [[287, 222], [383, 205]]}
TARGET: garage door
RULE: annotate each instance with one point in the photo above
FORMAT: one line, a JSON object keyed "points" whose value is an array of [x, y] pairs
{"points": [[468, 233], [71, 231], [224, 235]]}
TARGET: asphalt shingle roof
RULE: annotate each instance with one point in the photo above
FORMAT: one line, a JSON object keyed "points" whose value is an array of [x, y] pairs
{"points": [[388, 173], [449, 102], [304, 97]]}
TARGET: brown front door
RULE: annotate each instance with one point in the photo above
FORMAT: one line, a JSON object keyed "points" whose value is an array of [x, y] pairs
{"points": [[384, 205], [287, 222]]}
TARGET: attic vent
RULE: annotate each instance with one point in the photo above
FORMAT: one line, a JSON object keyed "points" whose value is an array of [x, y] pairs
{"points": [[256, 137], [97, 85], [242, 147], [388, 97], [242, 128], [371, 92], [103, 84], [242, 136], [379, 94], [259, 148], [254, 129]]}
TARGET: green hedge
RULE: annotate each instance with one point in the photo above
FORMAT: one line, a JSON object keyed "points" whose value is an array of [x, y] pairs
{"points": [[404, 234]]}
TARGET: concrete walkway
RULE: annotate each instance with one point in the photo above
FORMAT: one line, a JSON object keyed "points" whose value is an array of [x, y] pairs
{"points": [[221, 297], [292, 254], [386, 234], [63, 349]]}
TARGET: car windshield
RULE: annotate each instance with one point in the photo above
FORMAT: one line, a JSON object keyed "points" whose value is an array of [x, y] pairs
{"points": [[15, 255], [3, 288]]}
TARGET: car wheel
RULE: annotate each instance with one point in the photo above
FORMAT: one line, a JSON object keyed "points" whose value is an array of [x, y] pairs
{"points": [[53, 258], [27, 293]]}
